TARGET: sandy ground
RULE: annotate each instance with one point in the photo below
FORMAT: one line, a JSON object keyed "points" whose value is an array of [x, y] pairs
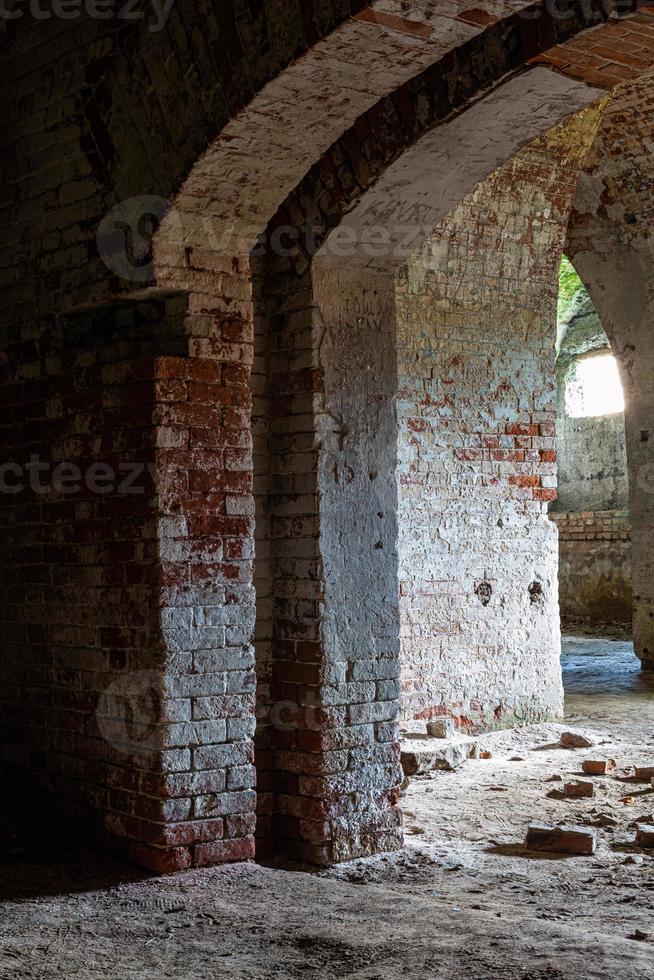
{"points": [[464, 900]]}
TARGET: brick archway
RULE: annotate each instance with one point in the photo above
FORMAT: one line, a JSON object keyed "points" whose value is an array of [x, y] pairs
{"points": [[195, 804], [361, 154]]}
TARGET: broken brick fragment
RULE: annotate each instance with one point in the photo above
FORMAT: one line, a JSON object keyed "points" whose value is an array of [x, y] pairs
{"points": [[441, 728], [579, 789], [598, 767], [565, 839]]}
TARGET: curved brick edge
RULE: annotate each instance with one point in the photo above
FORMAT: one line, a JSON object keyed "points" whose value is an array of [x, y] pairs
{"points": [[379, 137], [609, 57]]}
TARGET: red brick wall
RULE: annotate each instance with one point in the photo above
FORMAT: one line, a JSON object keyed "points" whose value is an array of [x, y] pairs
{"points": [[603, 525], [608, 55]]}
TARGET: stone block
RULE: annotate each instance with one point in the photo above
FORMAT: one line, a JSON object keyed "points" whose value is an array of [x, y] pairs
{"points": [[565, 839], [418, 759], [645, 835], [576, 740], [441, 728]]}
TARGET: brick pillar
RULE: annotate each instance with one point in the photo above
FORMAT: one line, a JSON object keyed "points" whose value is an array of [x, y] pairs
{"points": [[127, 687], [619, 284], [206, 533], [639, 427], [636, 361], [335, 651]]}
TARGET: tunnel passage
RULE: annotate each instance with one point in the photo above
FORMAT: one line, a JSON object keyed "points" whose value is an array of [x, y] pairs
{"points": [[592, 508]]}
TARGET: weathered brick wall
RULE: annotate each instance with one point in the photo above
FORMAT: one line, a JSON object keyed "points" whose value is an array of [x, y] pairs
{"points": [[333, 501], [595, 566], [128, 668], [328, 780], [263, 584], [206, 521], [327, 755], [357, 430], [610, 243], [592, 507], [112, 101], [80, 573], [299, 735], [592, 453], [477, 413], [592, 463], [100, 113]]}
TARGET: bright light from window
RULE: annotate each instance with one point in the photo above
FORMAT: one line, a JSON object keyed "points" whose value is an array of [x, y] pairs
{"points": [[594, 388]]}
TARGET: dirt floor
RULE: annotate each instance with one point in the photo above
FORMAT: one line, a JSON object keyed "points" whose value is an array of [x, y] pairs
{"points": [[464, 900]]}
